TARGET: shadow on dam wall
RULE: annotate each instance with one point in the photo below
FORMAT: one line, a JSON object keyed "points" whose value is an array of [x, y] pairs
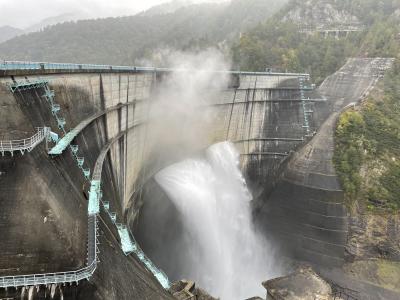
{"points": [[44, 201]]}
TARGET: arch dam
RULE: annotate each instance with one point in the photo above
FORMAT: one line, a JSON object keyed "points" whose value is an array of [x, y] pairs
{"points": [[76, 168]]}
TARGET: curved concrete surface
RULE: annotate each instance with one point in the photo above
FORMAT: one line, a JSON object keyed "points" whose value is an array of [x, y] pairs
{"points": [[307, 207], [49, 194]]}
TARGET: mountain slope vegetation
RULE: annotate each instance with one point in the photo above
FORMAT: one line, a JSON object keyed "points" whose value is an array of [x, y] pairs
{"points": [[124, 40], [367, 155], [278, 42], [8, 32]]}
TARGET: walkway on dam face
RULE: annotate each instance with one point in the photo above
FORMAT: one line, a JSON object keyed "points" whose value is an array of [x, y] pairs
{"points": [[273, 101], [128, 243], [26, 85], [28, 144], [64, 142]]}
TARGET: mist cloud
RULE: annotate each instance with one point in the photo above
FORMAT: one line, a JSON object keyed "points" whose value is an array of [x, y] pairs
{"points": [[183, 119], [24, 13]]}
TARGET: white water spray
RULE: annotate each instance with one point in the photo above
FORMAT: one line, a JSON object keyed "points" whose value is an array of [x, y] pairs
{"points": [[227, 257]]}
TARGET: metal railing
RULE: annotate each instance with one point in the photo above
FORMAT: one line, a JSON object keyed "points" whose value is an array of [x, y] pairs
{"points": [[158, 273], [25, 144], [26, 65], [128, 242], [307, 111], [67, 139], [61, 277], [26, 85], [100, 159]]}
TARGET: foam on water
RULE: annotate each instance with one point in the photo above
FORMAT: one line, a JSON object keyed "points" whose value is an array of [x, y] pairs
{"points": [[227, 257]]}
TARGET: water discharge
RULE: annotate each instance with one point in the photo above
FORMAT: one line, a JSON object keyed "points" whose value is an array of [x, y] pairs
{"points": [[227, 257]]}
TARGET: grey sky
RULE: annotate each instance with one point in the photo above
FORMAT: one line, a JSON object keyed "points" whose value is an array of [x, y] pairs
{"points": [[24, 13]]}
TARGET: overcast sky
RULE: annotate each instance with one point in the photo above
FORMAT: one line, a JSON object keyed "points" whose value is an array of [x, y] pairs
{"points": [[24, 13]]}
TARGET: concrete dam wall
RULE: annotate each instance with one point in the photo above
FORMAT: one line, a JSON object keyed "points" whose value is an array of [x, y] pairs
{"points": [[44, 198], [269, 117]]}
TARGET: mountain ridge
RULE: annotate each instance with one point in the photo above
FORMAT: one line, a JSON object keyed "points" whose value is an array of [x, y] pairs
{"points": [[9, 32], [124, 40]]}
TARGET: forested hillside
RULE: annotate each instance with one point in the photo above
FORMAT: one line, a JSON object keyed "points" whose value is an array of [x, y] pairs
{"points": [[244, 30], [8, 32], [278, 43], [127, 40], [368, 153]]}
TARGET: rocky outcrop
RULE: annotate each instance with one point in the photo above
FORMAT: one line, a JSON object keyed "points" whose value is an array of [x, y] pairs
{"points": [[187, 290], [304, 284], [377, 272], [321, 15], [374, 236]]}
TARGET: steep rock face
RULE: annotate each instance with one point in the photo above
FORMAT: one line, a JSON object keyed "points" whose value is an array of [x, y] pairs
{"points": [[320, 15], [187, 290], [374, 236], [381, 273], [304, 284]]}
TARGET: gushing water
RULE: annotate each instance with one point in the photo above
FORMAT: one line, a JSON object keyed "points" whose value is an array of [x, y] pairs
{"points": [[227, 257]]}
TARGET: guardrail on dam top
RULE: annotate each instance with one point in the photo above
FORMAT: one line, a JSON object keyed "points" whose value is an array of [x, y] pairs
{"points": [[41, 67]]}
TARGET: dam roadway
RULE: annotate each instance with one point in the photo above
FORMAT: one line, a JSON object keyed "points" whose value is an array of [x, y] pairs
{"points": [[44, 198]]}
